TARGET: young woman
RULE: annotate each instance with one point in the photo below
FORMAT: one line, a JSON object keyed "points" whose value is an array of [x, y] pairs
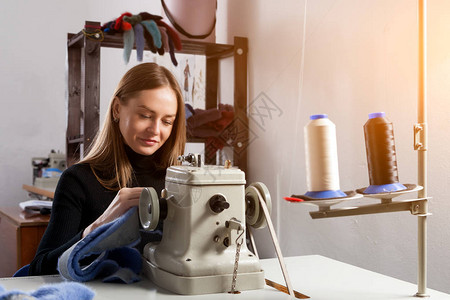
{"points": [[143, 134]]}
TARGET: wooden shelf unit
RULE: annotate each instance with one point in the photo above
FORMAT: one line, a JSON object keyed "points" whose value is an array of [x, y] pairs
{"points": [[84, 89]]}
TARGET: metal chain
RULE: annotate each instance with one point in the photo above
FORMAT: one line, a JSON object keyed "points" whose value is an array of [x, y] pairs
{"points": [[236, 262]]}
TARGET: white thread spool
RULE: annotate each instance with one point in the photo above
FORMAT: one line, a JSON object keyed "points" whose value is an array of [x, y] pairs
{"points": [[322, 172]]}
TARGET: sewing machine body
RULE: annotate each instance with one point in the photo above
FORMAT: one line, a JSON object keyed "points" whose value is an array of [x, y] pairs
{"points": [[47, 170], [197, 252]]}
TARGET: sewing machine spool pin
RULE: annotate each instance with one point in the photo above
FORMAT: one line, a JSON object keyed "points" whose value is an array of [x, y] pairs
{"points": [[194, 160]]}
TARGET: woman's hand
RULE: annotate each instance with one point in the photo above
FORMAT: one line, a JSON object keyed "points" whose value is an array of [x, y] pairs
{"points": [[125, 199]]}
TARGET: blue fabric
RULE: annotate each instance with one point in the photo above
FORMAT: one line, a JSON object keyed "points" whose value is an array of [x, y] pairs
{"points": [[58, 291], [107, 252]]}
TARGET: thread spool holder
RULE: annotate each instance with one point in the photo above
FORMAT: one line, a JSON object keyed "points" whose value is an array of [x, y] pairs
{"points": [[324, 205], [416, 206]]}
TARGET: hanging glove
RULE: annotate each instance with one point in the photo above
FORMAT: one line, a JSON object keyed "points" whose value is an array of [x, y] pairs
{"points": [[175, 38], [128, 42], [149, 40], [172, 51], [148, 16], [140, 41], [109, 27], [122, 25], [153, 29], [164, 40], [133, 20]]}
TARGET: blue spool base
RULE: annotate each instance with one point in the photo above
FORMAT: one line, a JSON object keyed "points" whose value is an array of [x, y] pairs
{"points": [[326, 194], [384, 188]]}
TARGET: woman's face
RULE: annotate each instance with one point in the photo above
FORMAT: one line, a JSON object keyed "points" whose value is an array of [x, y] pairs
{"points": [[147, 119]]}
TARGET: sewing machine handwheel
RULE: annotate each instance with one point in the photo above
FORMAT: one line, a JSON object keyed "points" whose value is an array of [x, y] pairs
{"points": [[264, 191], [252, 209], [149, 209], [254, 212]]}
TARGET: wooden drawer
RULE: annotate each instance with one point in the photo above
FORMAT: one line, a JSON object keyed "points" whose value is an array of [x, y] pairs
{"points": [[20, 234], [8, 242]]}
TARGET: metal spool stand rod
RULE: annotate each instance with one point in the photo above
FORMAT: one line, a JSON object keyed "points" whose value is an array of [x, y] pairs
{"points": [[420, 144]]}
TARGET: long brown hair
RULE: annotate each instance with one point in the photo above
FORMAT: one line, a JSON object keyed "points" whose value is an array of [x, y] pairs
{"points": [[107, 156]]}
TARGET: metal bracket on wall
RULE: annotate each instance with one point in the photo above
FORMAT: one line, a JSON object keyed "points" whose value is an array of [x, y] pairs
{"points": [[420, 137]]}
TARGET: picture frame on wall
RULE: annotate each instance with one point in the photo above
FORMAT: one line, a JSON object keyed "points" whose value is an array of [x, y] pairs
{"points": [[191, 76]]}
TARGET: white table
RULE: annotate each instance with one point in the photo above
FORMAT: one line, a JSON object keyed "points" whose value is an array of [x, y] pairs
{"points": [[316, 276]]}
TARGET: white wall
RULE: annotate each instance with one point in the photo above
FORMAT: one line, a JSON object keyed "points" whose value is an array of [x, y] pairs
{"points": [[32, 84], [32, 78], [359, 57]]}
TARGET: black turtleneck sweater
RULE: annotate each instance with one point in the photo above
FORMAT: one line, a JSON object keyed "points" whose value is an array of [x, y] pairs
{"points": [[79, 200]]}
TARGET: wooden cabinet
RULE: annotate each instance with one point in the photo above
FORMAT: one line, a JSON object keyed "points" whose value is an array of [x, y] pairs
{"points": [[20, 234], [84, 89]]}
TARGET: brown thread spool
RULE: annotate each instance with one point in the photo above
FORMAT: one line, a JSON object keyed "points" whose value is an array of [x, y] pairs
{"points": [[381, 155]]}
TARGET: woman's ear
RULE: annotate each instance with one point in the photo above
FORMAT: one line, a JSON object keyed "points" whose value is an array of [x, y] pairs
{"points": [[116, 108]]}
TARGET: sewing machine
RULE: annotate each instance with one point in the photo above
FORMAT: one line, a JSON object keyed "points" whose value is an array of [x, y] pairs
{"points": [[205, 210], [47, 170]]}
